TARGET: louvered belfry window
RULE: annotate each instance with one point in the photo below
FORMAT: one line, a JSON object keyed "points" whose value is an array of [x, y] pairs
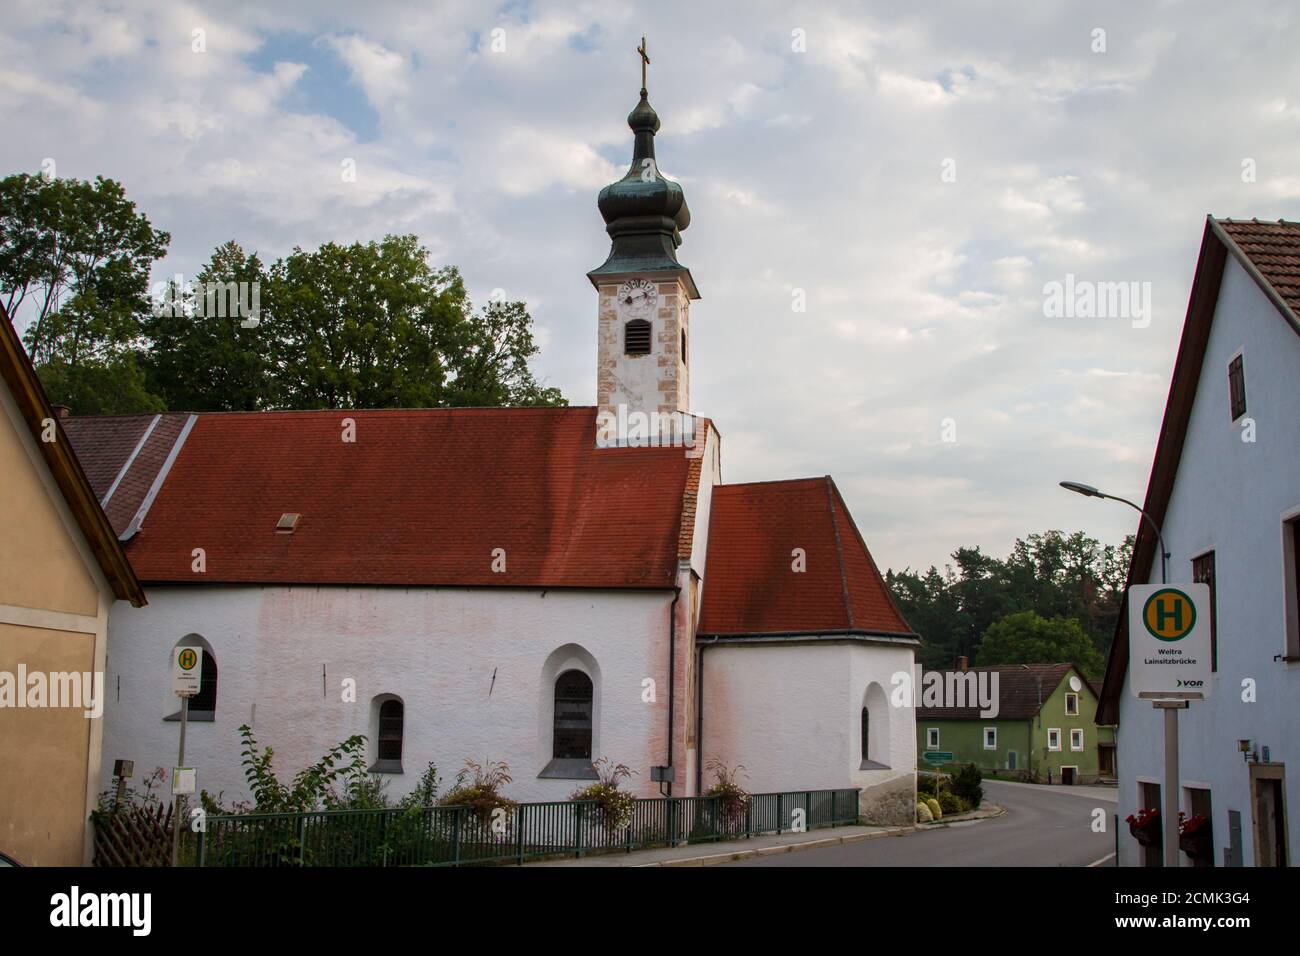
{"points": [[636, 337]]}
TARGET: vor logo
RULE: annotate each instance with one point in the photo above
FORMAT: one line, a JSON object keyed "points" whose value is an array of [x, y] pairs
{"points": [[1169, 615]]}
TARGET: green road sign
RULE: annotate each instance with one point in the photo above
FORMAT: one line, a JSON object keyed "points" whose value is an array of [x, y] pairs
{"points": [[938, 756]]}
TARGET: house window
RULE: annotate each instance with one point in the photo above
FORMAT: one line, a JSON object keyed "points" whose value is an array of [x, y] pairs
{"points": [[1291, 587], [573, 709], [1053, 738], [866, 733], [1237, 387], [932, 738], [1076, 739], [1203, 573], [1071, 705], [636, 337], [990, 738]]}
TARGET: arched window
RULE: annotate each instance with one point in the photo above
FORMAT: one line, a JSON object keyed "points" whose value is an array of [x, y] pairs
{"points": [[389, 724], [573, 708], [205, 701], [203, 705], [636, 337], [875, 747]]}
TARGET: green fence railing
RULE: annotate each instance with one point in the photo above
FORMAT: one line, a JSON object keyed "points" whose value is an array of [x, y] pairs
{"points": [[456, 836]]}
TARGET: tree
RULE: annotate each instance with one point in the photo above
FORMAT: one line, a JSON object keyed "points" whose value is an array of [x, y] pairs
{"points": [[201, 362], [1051, 573], [375, 326], [76, 257], [1027, 638]]}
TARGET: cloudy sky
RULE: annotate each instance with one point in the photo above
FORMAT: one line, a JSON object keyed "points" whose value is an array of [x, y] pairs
{"points": [[920, 171]]}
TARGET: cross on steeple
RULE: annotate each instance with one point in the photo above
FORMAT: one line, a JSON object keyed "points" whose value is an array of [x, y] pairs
{"points": [[645, 61]]}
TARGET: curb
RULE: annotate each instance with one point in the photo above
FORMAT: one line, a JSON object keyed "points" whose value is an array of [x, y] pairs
{"points": [[712, 859], [971, 816]]}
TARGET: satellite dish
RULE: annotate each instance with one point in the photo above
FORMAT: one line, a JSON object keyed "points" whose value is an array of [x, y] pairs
{"points": [[1075, 683]]}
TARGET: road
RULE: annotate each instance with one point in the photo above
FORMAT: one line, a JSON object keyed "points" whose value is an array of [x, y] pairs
{"points": [[1043, 826]]}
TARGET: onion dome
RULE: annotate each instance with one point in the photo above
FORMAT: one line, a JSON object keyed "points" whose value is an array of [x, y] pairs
{"points": [[644, 212]]}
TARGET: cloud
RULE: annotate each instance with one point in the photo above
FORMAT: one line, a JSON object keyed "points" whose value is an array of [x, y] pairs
{"points": [[820, 170]]}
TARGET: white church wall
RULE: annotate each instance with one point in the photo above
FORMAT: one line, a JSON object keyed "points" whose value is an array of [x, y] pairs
{"points": [[1231, 497], [790, 713], [283, 652], [710, 475]]}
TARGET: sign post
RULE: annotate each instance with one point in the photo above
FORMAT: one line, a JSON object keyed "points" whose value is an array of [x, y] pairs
{"points": [[187, 675], [1169, 664]]}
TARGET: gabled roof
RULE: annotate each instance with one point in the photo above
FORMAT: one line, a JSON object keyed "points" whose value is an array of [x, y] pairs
{"points": [[124, 455], [752, 589], [1022, 691], [61, 459], [1270, 253], [422, 497]]}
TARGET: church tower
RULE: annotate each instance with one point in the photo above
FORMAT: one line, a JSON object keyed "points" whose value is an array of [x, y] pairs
{"points": [[644, 293]]}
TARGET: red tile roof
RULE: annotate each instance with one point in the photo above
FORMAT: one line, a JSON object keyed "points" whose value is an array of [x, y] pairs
{"points": [[1274, 249], [108, 444], [751, 587], [423, 497]]}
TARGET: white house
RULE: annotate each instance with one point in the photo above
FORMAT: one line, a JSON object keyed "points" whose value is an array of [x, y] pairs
{"points": [[1225, 489], [543, 586]]}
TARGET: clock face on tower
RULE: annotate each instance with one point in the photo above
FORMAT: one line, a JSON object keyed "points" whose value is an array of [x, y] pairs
{"points": [[637, 299]]}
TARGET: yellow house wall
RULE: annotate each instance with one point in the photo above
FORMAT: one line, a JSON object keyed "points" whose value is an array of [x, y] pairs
{"points": [[53, 617]]}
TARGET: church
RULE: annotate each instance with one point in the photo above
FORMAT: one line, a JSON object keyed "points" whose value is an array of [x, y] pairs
{"points": [[540, 586]]}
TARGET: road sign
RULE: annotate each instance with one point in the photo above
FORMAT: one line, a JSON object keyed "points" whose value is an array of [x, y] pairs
{"points": [[1169, 641], [937, 756], [187, 671], [183, 780]]}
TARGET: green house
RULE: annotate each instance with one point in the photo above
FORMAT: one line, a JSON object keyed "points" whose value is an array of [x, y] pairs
{"points": [[1044, 730]]}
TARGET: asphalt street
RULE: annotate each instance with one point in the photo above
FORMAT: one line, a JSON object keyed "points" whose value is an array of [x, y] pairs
{"points": [[1043, 826]]}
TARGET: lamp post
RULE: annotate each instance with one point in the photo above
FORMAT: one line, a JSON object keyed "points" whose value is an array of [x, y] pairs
{"points": [[1088, 491], [1170, 707]]}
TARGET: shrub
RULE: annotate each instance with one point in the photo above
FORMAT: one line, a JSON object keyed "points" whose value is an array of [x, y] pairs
{"points": [[923, 814], [615, 805], [966, 784], [478, 786], [936, 810], [950, 803], [425, 793], [733, 799]]}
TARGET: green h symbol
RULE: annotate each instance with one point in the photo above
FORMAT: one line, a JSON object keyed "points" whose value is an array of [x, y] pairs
{"points": [[1166, 608]]}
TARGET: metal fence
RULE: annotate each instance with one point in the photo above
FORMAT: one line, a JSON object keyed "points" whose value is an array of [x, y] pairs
{"points": [[456, 836]]}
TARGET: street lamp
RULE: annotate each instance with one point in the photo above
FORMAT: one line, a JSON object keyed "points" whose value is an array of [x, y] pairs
{"points": [[1088, 491], [1170, 707]]}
